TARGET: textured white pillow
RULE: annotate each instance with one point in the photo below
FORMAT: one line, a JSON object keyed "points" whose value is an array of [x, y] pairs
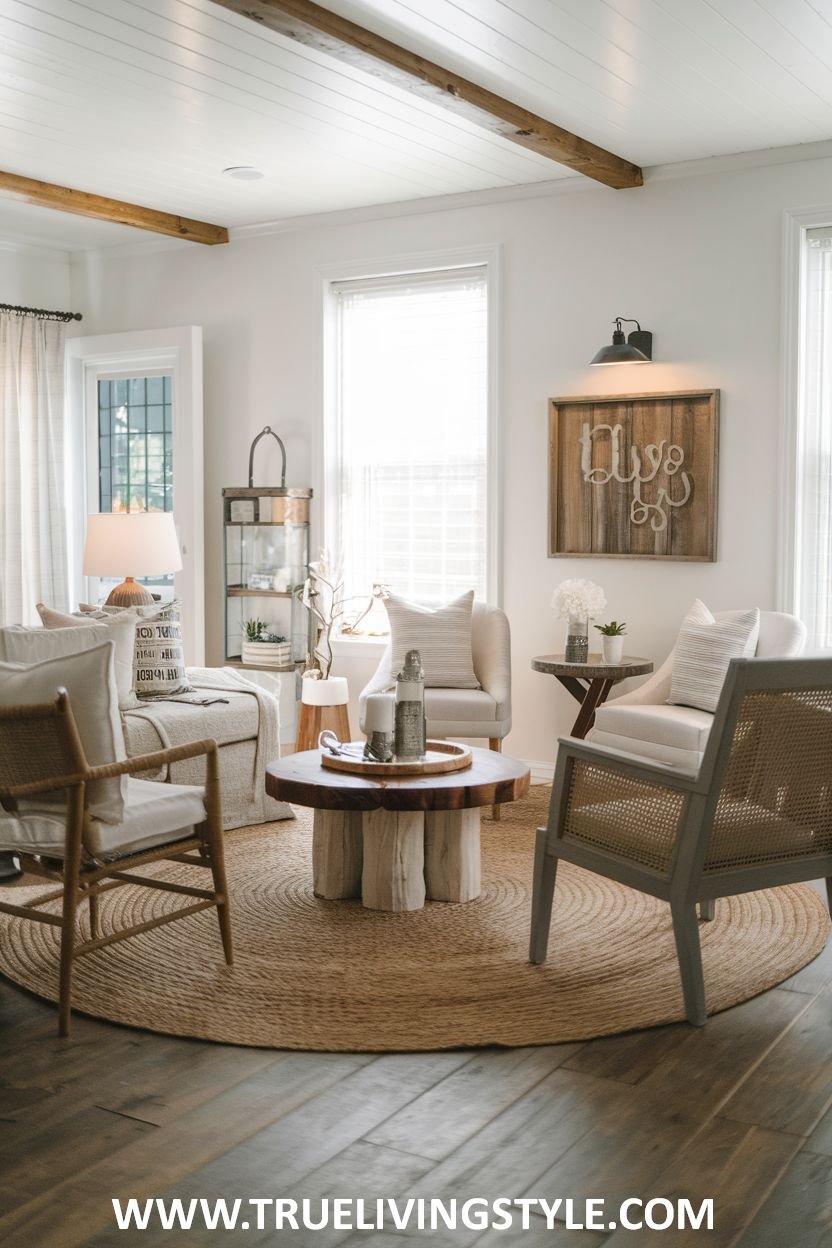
{"points": [[704, 648], [442, 637], [160, 653], [159, 662], [67, 634], [89, 679]]}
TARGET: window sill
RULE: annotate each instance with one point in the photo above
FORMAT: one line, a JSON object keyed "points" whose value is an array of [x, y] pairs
{"points": [[358, 647]]}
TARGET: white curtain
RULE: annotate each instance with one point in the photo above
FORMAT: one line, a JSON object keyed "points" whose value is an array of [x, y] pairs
{"points": [[814, 509], [33, 560], [411, 479]]}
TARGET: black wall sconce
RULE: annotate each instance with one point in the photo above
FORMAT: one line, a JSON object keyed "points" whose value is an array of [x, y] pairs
{"points": [[638, 348]]}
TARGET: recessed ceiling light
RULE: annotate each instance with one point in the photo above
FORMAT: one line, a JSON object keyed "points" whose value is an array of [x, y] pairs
{"points": [[245, 173]]}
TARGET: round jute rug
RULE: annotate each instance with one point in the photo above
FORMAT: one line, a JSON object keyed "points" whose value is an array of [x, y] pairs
{"points": [[330, 975]]}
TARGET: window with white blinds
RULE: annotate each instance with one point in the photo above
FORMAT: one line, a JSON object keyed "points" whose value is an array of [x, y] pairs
{"points": [[409, 482], [813, 544]]}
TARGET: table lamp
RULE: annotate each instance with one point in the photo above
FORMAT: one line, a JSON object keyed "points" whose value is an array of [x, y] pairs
{"points": [[141, 542]]}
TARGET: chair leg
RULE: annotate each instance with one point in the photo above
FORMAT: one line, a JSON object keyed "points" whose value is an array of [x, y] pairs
{"points": [[543, 892], [494, 743], [707, 910], [213, 833], [829, 893], [72, 871], [686, 933], [93, 902]]}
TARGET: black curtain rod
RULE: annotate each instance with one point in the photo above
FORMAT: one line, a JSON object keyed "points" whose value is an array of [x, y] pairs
{"points": [[42, 312]]}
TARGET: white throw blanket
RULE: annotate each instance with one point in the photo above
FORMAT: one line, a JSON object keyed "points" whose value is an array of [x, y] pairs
{"points": [[243, 788]]}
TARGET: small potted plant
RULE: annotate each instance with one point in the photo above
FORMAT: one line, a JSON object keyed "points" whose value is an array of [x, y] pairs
{"points": [[612, 635], [264, 648]]}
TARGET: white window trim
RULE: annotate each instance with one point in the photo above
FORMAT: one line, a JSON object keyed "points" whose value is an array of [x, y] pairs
{"points": [[178, 352], [323, 458], [796, 223]]}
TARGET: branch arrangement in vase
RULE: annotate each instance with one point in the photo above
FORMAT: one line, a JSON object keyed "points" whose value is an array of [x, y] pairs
{"points": [[323, 596]]}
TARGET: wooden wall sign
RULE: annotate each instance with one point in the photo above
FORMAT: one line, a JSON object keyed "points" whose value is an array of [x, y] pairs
{"points": [[634, 476]]}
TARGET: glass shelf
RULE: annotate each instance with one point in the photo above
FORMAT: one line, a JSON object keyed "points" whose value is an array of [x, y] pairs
{"points": [[266, 540]]}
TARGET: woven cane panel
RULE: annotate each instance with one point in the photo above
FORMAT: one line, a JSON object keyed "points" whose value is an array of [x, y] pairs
{"points": [[32, 750], [776, 798], [632, 818]]}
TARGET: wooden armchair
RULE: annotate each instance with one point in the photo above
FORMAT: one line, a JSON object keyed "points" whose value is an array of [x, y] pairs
{"points": [[757, 814], [42, 761]]}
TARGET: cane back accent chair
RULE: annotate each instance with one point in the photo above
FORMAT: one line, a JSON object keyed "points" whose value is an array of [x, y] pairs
{"points": [[45, 821], [757, 814]]}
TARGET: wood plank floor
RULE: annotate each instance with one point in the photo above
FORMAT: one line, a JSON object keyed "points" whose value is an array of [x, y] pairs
{"points": [[738, 1111]]}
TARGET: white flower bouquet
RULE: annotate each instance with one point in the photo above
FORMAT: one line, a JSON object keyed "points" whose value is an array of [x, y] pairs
{"points": [[578, 597]]}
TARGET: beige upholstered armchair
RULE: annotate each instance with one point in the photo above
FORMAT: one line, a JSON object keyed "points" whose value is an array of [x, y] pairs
{"points": [[48, 819], [454, 713], [484, 712], [758, 812], [642, 722]]}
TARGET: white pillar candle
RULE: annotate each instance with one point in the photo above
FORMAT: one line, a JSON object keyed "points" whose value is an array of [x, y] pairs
{"points": [[379, 713]]}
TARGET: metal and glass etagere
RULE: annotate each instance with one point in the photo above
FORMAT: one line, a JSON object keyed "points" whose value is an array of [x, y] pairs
{"points": [[266, 531]]}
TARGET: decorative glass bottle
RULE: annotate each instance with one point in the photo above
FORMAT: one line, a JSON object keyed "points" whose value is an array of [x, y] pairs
{"points": [[411, 732], [577, 639]]}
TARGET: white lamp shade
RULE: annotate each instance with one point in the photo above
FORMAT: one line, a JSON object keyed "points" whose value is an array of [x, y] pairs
{"points": [[141, 543]]}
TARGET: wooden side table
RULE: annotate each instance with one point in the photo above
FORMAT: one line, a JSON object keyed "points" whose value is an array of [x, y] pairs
{"points": [[393, 842], [590, 682]]}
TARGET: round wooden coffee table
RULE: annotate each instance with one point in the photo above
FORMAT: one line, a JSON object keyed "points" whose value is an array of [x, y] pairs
{"points": [[393, 842], [590, 682]]}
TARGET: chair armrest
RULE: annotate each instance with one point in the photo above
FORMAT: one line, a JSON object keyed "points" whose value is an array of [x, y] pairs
{"points": [[381, 681], [149, 762], [491, 653], [632, 764], [655, 690], [52, 785], [127, 766]]}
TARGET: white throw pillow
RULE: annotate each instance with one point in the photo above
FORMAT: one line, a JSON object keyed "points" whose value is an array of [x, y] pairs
{"points": [[67, 634], [442, 637], [89, 679], [704, 648]]}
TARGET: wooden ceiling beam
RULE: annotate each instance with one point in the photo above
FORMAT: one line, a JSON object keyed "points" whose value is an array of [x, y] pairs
{"points": [[318, 28], [64, 199]]}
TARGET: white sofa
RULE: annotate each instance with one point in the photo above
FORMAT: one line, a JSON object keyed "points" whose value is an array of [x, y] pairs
{"points": [[240, 716], [642, 722], [243, 720]]}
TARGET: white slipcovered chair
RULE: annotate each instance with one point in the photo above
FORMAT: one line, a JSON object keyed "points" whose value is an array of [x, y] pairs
{"points": [[642, 722], [484, 712]]}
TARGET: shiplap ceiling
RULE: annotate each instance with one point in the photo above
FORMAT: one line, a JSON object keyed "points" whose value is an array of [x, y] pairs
{"points": [[148, 100]]}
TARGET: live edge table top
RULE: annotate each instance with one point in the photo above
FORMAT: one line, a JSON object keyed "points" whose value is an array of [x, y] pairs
{"points": [[491, 780], [594, 669]]}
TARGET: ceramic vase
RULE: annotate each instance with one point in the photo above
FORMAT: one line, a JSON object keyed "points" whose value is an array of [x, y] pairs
{"points": [[613, 648], [331, 692]]}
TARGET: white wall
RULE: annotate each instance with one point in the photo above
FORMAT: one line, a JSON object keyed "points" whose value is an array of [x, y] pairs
{"points": [[34, 280], [696, 259]]}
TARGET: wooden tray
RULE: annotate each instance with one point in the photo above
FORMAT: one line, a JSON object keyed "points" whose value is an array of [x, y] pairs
{"points": [[442, 756]]}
